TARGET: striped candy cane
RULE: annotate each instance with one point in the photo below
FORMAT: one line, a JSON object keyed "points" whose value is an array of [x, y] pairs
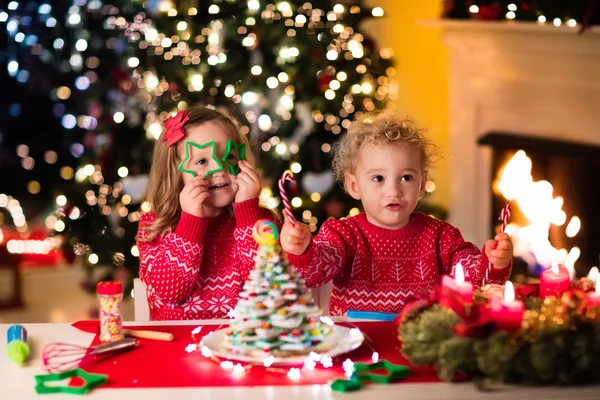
{"points": [[287, 210], [504, 217]]}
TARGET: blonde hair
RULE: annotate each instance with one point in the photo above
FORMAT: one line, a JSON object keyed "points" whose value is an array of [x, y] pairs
{"points": [[387, 127], [165, 180]]}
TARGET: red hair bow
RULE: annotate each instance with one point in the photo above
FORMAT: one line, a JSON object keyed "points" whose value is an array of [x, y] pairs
{"points": [[174, 128]]}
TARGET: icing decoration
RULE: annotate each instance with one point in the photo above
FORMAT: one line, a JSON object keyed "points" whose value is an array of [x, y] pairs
{"points": [[174, 128], [189, 144], [231, 145]]}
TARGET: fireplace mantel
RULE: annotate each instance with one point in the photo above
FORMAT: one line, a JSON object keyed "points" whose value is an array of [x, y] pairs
{"points": [[516, 77]]}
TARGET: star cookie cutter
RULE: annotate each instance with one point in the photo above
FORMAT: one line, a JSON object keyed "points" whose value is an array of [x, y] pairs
{"points": [[90, 381]]}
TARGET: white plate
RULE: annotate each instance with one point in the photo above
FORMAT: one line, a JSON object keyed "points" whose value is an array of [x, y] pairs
{"points": [[343, 340]]}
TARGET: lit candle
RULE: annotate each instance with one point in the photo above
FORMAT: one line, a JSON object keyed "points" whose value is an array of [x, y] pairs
{"points": [[507, 313], [554, 280], [593, 298], [458, 284]]}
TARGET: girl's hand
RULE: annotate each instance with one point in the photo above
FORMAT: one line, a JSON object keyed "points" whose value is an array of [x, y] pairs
{"points": [[248, 181], [499, 250], [193, 196], [295, 239]]}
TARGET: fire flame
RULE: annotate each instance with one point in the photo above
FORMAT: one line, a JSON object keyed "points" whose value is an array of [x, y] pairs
{"points": [[536, 201], [459, 274], [509, 292]]}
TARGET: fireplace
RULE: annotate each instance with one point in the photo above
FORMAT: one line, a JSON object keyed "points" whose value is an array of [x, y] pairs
{"points": [[527, 82], [551, 186]]}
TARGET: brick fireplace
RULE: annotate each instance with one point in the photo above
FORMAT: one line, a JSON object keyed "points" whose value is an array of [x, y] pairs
{"points": [[522, 79]]}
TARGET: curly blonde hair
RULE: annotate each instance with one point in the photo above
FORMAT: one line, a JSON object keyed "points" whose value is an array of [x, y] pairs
{"points": [[386, 127], [165, 180]]}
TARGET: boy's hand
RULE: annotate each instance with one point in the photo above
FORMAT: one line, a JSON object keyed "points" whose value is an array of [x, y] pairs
{"points": [[248, 182], [295, 239], [499, 250], [193, 196]]}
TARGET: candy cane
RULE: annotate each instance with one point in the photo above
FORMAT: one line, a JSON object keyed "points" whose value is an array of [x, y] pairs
{"points": [[287, 210], [504, 217]]}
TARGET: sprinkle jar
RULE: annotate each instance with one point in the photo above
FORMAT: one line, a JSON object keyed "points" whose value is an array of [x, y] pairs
{"points": [[110, 294]]}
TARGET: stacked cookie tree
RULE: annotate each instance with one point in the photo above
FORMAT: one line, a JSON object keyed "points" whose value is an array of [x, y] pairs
{"points": [[275, 314]]}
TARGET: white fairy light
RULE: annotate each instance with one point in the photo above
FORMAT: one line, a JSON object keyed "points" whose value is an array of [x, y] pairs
{"points": [[294, 374], [206, 351], [309, 364], [355, 332], [269, 361], [238, 370], [197, 330], [314, 356], [227, 365], [327, 362], [375, 357], [190, 347], [348, 366], [327, 320]]}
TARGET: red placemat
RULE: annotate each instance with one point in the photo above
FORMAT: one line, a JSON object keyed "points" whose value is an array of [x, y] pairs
{"points": [[166, 364]]}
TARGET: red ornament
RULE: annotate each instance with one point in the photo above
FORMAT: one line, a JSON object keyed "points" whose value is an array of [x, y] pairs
{"points": [[489, 12], [324, 81]]}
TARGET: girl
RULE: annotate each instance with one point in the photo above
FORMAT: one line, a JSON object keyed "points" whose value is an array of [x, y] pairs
{"points": [[381, 257], [196, 247]]}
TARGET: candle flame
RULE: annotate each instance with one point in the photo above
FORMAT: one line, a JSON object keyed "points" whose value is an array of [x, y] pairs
{"points": [[554, 267], [509, 292], [459, 274], [593, 274]]}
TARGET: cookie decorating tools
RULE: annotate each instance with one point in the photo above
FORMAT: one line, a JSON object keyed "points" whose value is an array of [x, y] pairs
{"points": [[60, 357]]}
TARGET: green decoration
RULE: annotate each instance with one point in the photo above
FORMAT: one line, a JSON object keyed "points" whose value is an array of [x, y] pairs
{"points": [[234, 169], [90, 382], [364, 372], [200, 146], [558, 342], [346, 385]]}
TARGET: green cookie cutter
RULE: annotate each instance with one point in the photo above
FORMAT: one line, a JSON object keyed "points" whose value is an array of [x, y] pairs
{"points": [[346, 385], [91, 381], [233, 169], [395, 372], [189, 144], [363, 373]]}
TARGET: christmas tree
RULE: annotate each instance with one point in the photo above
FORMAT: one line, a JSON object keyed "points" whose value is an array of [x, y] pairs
{"points": [[293, 73], [71, 68], [276, 314]]}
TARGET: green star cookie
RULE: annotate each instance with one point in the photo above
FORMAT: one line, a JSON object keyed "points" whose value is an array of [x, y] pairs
{"points": [[234, 169], [90, 382], [200, 146]]}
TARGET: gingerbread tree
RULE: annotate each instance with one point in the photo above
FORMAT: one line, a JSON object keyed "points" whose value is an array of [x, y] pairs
{"points": [[275, 313]]}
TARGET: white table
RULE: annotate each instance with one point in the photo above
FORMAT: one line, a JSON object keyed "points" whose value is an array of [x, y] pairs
{"points": [[17, 382]]}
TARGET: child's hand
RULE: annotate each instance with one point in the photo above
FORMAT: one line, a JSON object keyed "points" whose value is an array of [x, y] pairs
{"points": [[193, 196], [248, 181], [499, 250], [294, 239]]}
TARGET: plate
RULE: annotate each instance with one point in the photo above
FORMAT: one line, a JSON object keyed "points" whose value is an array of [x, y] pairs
{"points": [[342, 340]]}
